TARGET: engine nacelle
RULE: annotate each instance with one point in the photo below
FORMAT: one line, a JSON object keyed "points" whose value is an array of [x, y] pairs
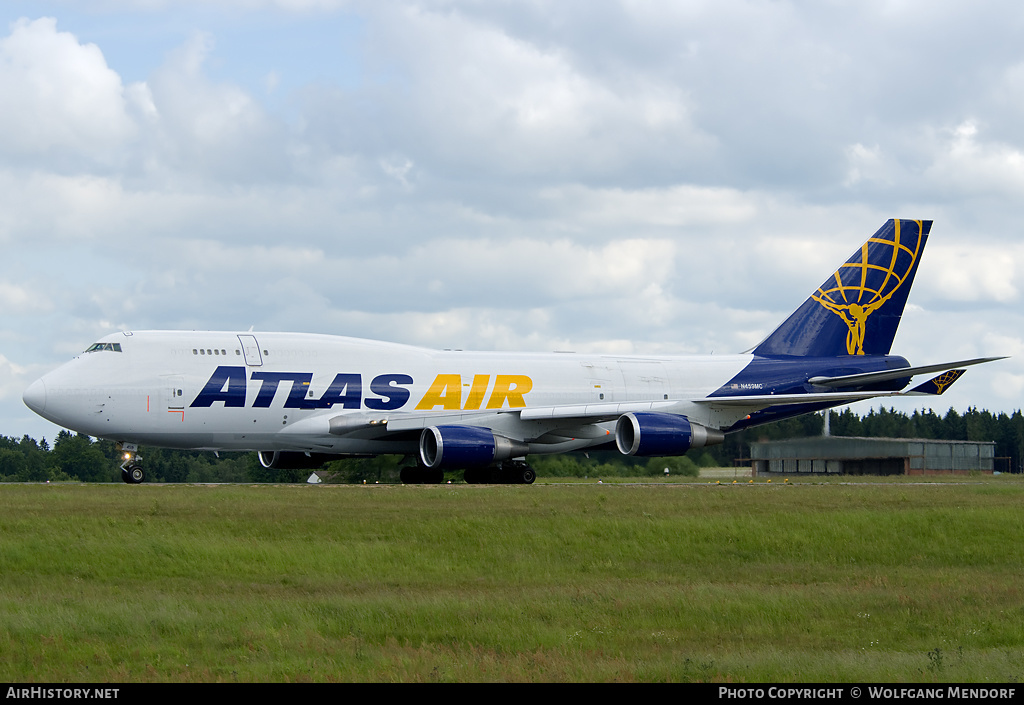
{"points": [[293, 460], [461, 447], [647, 433]]}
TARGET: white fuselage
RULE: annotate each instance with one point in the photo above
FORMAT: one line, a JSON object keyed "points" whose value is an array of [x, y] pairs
{"points": [[319, 393]]}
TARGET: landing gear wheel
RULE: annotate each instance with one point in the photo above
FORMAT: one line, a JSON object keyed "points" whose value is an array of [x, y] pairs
{"points": [[517, 472], [131, 471], [136, 475]]}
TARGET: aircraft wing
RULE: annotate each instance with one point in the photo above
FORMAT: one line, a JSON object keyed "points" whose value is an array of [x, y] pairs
{"points": [[381, 424], [583, 413], [885, 375], [366, 426], [593, 412], [378, 425]]}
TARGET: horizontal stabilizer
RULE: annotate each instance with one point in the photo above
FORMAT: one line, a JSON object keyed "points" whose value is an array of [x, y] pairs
{"points": [[763, 401], [937, 385], [860, 380]]}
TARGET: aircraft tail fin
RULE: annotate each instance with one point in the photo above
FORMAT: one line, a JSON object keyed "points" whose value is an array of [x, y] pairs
{"points": [[857, 309]]}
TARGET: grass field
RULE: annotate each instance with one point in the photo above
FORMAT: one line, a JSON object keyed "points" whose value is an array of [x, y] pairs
{"points": [[550, 582]]}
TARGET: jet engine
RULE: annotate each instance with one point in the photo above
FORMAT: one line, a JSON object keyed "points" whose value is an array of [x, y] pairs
{"points": [[651, 433], [461, 447], [293, 460]]}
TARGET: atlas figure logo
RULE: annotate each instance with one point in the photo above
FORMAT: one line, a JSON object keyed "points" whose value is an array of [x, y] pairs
{"points": [[229, 385], [868, 280]]}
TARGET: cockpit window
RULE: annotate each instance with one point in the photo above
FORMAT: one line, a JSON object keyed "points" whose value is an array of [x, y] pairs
{"points": [[112, 347]]}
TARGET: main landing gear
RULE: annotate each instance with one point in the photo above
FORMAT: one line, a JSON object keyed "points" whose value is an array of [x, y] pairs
{"points": [[508, 472], [131, 471]]}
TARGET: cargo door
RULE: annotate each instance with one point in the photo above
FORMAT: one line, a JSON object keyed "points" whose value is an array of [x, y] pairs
{"points": [[645, 380]]}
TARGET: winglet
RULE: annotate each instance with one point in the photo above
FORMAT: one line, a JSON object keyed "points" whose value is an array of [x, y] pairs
{"points": [[938, 384]]}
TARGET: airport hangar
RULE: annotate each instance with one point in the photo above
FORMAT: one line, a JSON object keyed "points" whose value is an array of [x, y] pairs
{"points": [[841, 455]]}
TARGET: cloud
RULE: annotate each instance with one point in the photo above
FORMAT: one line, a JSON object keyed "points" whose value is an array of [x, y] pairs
{"points": [[62, 100], [674, 206], [968, 165], [602, 176], [211, 130], [467, 96], [19, 300], [973, 272]]}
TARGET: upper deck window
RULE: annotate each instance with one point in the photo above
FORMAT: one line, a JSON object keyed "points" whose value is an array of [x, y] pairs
{"points": [[112, 347]]}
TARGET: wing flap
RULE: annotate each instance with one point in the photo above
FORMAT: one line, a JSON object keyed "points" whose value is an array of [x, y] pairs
{"points": [[607, 411], [763, 401]]}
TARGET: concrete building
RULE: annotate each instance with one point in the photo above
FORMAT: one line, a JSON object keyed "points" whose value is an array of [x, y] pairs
{"points": [[838, 455]]}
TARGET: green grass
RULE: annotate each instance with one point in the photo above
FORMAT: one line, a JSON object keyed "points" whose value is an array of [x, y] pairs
{"points": [[551, 582]]}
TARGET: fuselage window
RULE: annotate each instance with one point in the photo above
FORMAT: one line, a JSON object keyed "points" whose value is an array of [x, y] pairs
{"points": [[202, 352], [194, 351]]}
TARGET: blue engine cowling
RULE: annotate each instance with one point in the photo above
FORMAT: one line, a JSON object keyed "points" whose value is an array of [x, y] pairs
{"points": [[461, 447], [646, 433]]}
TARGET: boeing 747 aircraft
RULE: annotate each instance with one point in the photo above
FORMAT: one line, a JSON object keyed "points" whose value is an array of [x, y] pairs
{"points": [[300, 399]]}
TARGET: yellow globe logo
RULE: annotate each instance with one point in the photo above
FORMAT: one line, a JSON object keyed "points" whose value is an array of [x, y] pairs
{"points": [[946, 379], [868, 280]]}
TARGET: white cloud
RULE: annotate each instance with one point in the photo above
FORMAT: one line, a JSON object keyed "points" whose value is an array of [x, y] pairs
{"points": [[617, 177], [968, 165], [971, 272], [866, 164], [19, 300], [59, 96], [672, 206], [213, 130], [12, 379], [471, 94]]}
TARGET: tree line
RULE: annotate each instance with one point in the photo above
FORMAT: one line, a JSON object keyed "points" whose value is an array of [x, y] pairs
{"points": [[74, 457], [1006, 430]]}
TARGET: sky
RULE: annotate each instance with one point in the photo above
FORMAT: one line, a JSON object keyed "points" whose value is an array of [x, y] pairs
{"points": [[588, 175]]}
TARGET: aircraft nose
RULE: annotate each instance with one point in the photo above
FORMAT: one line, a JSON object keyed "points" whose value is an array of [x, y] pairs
{"points": [[35, 396]]}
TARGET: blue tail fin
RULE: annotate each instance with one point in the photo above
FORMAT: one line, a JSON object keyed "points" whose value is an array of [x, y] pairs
{"points": [[857, 310]]}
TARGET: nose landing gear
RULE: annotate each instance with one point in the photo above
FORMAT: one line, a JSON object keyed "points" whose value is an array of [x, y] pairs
{"points": [[131, 471]]}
